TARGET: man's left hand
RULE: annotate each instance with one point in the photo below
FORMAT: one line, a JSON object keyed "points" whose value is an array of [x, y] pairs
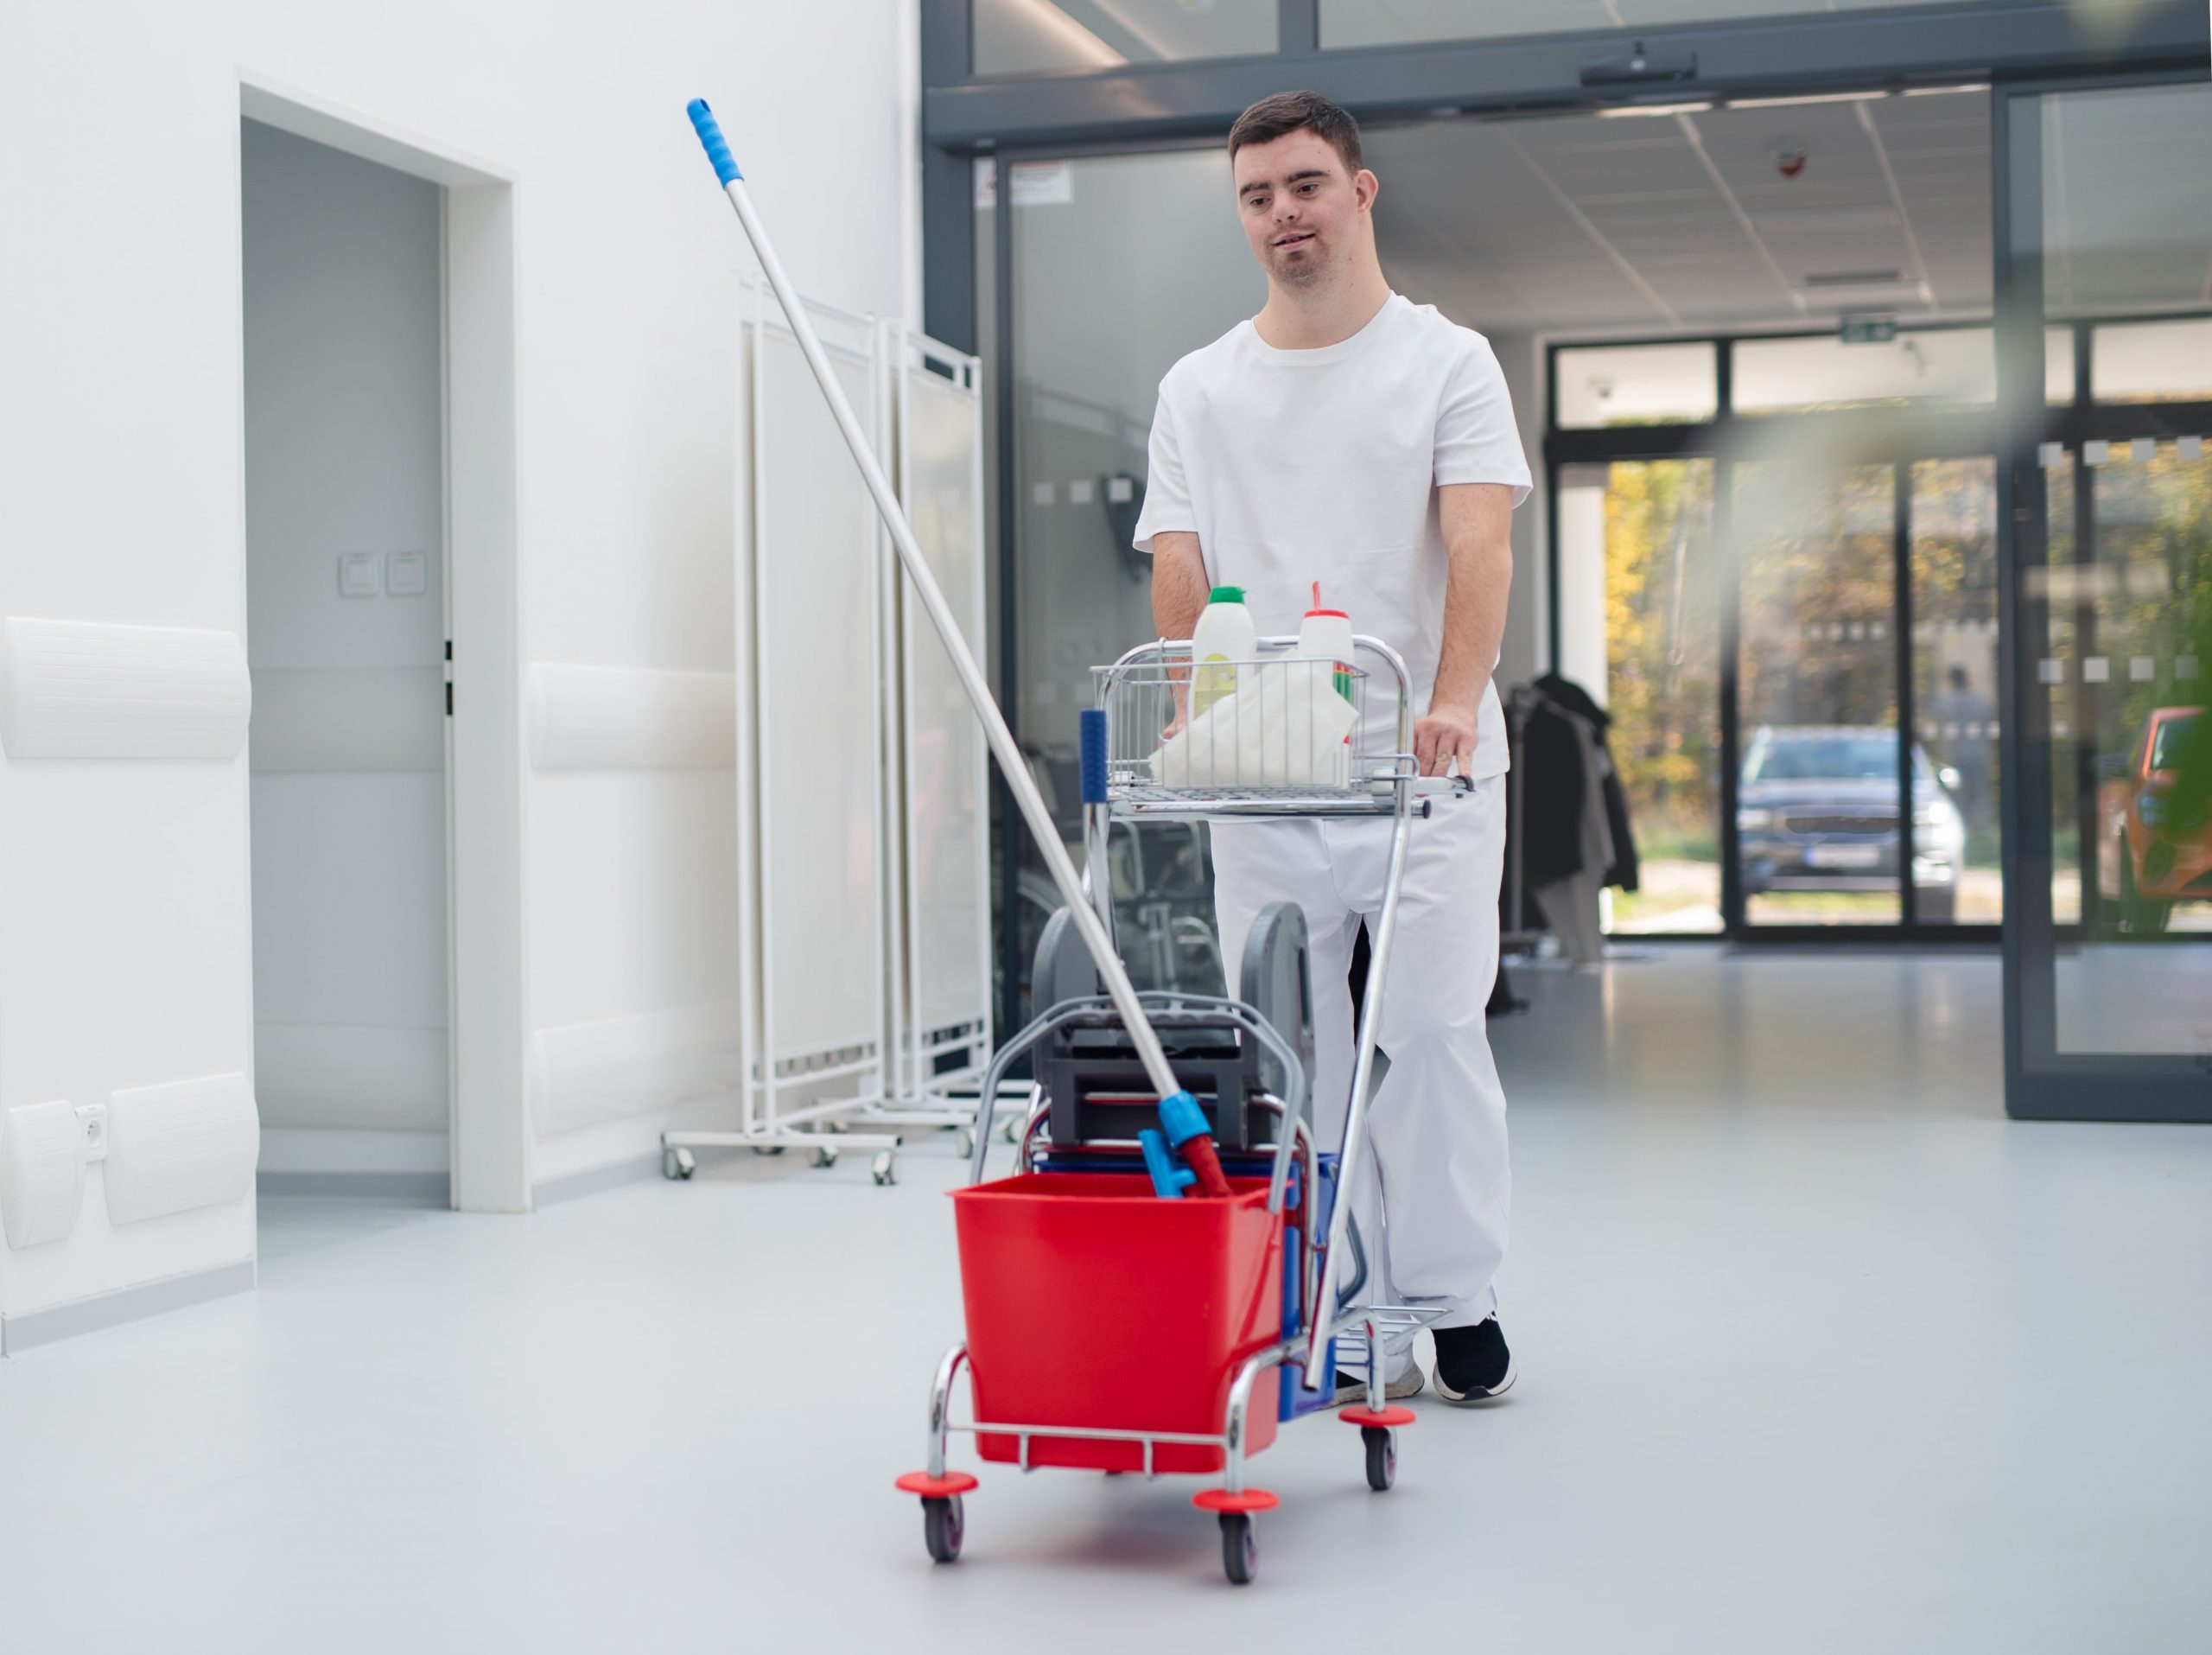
{"points": [[1446, 737]]}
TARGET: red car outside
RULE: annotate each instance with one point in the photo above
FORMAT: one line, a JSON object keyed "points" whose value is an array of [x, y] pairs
{"points": [[2148, 860]]}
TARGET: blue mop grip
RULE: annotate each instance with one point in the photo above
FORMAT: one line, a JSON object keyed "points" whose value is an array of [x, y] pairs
{"points": [[1093, 724], [1180, 1114], [710, 135], [1168, 1180]]}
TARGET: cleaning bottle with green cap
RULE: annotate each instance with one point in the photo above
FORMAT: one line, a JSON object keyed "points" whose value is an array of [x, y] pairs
{"points": [[1223, 637]]}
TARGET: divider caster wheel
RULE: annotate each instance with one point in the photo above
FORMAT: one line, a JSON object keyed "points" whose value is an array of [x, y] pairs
{"points": [[678, 1163], [825, 1157], [1240, 1553], [1382, 1456], [767, 1148], [943, 1524], [1012, 1131], [964, 1142], [885, 1168]]}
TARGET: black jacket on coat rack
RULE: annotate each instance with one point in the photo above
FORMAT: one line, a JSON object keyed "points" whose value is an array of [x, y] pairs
{"points": [[1623, 873]]}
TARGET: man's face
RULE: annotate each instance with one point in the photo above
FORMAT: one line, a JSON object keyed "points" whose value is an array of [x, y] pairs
{"points": [[1302, 212]]}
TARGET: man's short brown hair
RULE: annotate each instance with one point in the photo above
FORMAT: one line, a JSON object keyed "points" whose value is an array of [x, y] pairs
{"points": [[1287, 112]]}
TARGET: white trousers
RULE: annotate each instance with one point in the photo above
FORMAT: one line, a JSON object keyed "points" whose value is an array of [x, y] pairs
{"points": [[1434, 1190]]}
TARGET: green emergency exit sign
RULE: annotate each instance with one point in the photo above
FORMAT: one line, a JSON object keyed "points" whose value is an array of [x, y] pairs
{"points": [[1869, 330]]}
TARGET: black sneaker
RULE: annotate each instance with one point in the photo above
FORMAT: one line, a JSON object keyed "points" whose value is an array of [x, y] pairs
{"points": [[1473, 1365]]}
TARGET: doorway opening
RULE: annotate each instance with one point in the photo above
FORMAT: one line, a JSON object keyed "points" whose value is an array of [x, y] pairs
{"points": [[345, 635], [384, 636]]}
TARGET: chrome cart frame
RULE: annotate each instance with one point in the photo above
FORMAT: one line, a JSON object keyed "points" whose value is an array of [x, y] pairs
{"points": [[1373, 785]]}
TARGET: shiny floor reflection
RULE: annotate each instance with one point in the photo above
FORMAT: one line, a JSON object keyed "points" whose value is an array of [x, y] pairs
{"points": [[1818, 1353]]}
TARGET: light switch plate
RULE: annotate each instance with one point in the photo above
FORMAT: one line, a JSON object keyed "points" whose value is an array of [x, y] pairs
{"points": [[357, 574], [406, 573]]}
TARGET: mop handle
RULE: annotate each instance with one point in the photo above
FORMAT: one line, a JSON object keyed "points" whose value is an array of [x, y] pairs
{"points": [[1011, 763]]}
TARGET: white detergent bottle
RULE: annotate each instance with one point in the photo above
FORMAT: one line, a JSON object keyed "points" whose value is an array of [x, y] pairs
{"points": [[1223, 637]]}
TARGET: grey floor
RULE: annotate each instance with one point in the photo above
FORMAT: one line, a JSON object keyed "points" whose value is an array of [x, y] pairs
{"points": [[1818, 1353]]}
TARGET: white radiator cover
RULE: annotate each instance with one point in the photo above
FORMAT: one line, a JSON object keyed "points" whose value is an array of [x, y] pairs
{"points": [[41, 1171], [181, 1145], [88, 689], [631, 718]]}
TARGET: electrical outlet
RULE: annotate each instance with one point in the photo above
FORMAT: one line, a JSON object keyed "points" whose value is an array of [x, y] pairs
{"points": [[91, 1121]]}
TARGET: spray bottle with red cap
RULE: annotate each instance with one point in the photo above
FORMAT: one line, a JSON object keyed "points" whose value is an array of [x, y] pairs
{"points": [[1325, 635]]}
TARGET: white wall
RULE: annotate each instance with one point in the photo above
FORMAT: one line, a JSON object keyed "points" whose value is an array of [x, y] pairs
{"points": [[124, 895], [344, 375]]}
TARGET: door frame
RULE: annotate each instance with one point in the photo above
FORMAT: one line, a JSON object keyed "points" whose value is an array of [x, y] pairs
{"points": [[1897, 438], [489, 1140]]}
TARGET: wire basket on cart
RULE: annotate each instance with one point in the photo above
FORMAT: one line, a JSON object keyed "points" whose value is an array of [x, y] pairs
{"points": [[1279, 734]]}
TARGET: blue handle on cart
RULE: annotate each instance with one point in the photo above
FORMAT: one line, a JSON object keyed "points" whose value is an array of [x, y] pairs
{"points": [[1168, 1180], [1092, 723], [710, 134]]}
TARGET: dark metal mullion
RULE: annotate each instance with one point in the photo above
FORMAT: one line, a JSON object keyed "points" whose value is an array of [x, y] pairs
{"points": [[1825, 52], [948, 189], [2023, 752], [2088, 697], [1551, 567], [1728, 571], [1901, 618], [1010, 823]]}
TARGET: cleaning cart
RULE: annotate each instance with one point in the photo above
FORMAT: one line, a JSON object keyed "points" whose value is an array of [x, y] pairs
{"points": [[1111, 1330], [1110, 1327]]}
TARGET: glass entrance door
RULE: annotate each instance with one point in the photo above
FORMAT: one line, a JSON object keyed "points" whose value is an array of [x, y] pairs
{"points": [[2108, 548], [1818, 836]]}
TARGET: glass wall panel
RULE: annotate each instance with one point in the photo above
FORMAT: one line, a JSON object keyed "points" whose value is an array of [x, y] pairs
{"points": [[1955, 366], [1399, 22], [1957, 875], [2110, 959], [2153, 361], [1038, 36], [1817, 794], [1636, 550], [1094, 331], [1635, 385], [2058, 365], [2135, 680]]}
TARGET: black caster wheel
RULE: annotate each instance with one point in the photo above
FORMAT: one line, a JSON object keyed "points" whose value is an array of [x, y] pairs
{"points": [[885, 1168], [826, 1156], [1240, 1553], [767, 1148], [1382, 1456], [677, 1163], [943, 1524]]}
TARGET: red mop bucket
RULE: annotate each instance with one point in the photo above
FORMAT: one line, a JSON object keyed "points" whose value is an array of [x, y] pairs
{"points": [[1093, 1302]]}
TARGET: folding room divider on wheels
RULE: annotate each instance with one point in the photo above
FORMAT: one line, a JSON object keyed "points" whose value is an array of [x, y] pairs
{"points": [[862, 827]]}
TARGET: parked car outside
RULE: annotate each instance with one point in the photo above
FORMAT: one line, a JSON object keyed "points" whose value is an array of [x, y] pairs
{"points": [[2149, 858], [1816, 810]]}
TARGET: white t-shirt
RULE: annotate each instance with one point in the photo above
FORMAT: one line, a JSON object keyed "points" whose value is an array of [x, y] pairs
{"points": [[1292, 466]]}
